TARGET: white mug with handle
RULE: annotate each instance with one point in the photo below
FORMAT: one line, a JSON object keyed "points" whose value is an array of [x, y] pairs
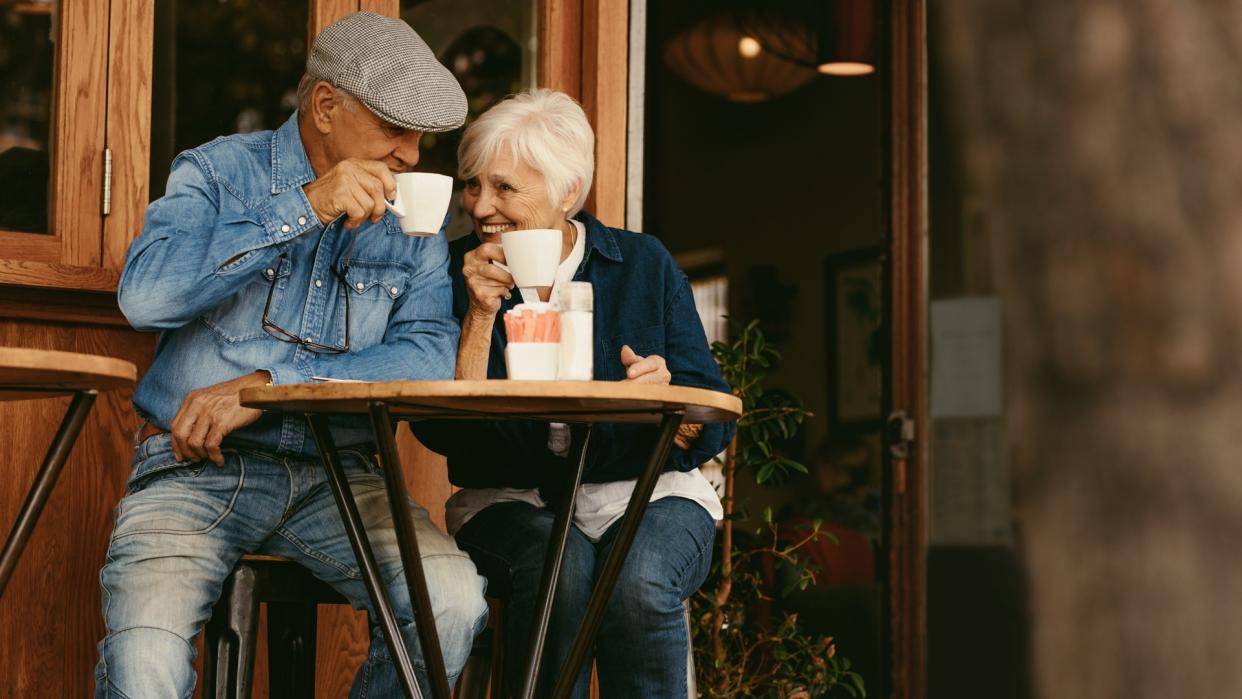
{"points": [[532, 256], [422, 202]]}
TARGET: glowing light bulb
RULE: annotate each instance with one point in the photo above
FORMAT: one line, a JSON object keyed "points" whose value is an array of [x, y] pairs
{"points": [[749, 47]]}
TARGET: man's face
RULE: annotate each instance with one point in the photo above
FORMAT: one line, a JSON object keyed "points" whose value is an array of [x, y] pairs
{"points": [[358, 133]]}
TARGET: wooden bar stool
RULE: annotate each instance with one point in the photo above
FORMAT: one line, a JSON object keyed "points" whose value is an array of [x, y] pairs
{"points": [[292, 596]]}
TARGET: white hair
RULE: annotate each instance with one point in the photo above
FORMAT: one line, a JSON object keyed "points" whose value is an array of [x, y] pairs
{"points": [[544, 129], [307, 85]]}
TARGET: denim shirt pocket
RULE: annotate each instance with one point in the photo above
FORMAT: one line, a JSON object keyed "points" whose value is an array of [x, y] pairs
{"points": [[373, 287], [240, 318], [644, 341]]}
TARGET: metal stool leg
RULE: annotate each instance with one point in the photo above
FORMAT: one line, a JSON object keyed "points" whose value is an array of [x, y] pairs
{"points": [[231, 635], [364, 554], [555, 557], [45, 480], [616, 558], [291, 635], [407, 543]]}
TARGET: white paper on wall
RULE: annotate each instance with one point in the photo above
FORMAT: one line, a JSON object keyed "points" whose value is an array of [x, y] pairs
{"points": [[965, 358]]}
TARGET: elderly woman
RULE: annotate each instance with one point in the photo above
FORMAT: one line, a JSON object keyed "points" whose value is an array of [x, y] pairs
{"points": [[527, 163]]}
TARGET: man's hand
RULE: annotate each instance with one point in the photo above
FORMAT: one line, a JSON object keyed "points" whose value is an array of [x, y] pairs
{"points": [[354, 187], [209, 414], [486, 282], [650, 369]]}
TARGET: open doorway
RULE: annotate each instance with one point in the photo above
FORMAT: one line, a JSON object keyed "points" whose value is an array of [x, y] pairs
{"points": [[770, 192]]}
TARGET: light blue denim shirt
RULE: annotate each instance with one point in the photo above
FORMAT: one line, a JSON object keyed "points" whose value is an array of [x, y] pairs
{"points": [[233, 221]]}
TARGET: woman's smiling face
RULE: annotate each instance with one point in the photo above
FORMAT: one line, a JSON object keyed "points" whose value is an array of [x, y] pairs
{"points": [[507, 195]]}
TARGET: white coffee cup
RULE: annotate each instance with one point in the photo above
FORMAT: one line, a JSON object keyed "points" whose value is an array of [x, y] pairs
{"points": [[422, 201], [532, 361], [532, 255]]}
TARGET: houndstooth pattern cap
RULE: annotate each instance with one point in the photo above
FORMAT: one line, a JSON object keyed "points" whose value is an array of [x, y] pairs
{"points": [[389, 68]]}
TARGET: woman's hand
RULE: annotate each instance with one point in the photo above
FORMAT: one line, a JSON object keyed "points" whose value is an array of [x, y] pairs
{"points": [[486, 283], [651, 369]]}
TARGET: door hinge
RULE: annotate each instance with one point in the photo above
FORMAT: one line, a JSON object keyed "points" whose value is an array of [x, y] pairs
{"points": [[899, 435], [107, 182]]}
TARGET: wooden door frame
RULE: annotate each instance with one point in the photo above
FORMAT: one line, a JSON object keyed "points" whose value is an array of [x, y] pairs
{"points": [[906, 117], [584, 52]]}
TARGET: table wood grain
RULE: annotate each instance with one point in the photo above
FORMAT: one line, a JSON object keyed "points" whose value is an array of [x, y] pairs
{"points": [[36, 373], [559, 401]]}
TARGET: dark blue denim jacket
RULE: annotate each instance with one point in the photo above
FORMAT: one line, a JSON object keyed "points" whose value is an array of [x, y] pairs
{"points": [[642, 300]]}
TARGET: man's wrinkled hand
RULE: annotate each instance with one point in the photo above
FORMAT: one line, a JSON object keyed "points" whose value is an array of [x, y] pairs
{"points": [[209, 414], [354, 187]]}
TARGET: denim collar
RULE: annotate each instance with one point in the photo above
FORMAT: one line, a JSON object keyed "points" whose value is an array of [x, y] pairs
{"points": [[290, 165], [599, 239]]}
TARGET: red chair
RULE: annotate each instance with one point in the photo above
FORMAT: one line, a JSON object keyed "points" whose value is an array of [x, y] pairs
{"points": [[848, 561]]}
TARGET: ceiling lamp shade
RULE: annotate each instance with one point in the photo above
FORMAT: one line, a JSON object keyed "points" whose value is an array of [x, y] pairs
{"points": [[715, 56], [835, 37]]}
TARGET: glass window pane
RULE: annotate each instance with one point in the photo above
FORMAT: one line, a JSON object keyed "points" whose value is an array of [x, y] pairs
{"points": [[222, 67], [27, 48], [490, 45]]}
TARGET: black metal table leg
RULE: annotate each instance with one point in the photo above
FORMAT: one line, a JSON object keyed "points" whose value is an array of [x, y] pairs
{"points": [[552, 562], [616, 557], [45, 480], [407, 542], [357, 534]]}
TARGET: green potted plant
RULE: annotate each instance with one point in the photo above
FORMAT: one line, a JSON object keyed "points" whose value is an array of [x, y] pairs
{"points": [[738, 654]]}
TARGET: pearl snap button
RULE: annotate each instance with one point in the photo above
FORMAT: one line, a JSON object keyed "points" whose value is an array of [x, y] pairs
{"points": [[393, 291], [301, 220], [318, 283], [269, 272], [360, 286], [285, 228]]}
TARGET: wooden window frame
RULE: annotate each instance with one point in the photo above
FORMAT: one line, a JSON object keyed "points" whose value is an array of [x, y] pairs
{"points": [[76, 155]]}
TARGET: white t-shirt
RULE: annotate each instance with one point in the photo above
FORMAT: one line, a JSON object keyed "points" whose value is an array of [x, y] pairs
{"points": [[598, 505]]}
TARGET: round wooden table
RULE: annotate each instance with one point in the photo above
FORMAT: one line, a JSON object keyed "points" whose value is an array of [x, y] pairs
{"points": [[579, 403], [34, 373]]}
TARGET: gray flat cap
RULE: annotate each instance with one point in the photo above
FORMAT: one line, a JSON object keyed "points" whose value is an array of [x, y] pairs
{"points": [[389, 68]]}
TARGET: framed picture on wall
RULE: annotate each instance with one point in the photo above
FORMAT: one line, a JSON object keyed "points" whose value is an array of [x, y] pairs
{"points": [[854, 299]]}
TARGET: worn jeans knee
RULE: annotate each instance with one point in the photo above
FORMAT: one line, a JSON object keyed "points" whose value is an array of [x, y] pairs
{"points": [[144, 662]]}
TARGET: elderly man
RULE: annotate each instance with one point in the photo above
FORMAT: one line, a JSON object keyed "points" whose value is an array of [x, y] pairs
{"points": [[271, 259]]}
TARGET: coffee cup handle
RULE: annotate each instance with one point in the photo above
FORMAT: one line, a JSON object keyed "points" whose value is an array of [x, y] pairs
{"points": [[395, 205]]}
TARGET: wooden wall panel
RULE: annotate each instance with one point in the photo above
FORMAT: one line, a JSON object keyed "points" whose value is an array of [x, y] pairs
{"points": [[50, 614]]}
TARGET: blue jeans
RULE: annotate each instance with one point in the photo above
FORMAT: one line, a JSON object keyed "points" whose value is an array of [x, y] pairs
{"points": [[182, 526], [643, 640]]}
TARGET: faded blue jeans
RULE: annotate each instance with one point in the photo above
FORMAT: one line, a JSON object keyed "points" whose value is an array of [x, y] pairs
{"points": [[182, 526], [643, 640]]}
